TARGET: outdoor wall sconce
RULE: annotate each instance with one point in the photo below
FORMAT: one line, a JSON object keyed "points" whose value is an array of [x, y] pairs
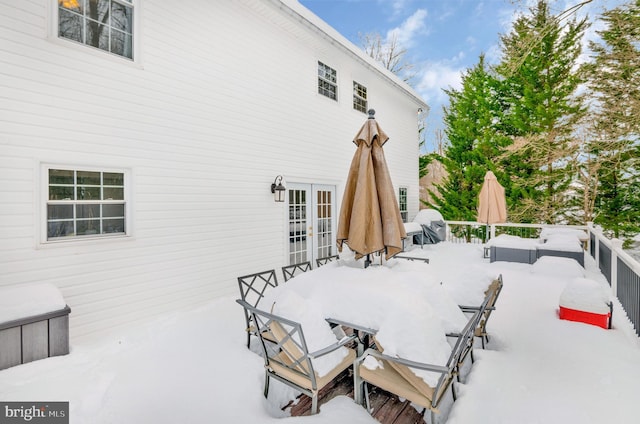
{"points": [[278, 189]]}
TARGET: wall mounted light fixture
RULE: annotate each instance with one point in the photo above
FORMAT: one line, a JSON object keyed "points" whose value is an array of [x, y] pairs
{"points": [[278, 189]]}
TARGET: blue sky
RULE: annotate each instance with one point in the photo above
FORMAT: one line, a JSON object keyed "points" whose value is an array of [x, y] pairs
{"points": [[443, 38]]}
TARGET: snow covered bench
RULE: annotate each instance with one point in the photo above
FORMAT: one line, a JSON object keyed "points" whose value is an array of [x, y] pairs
{"points": [[586, 301], [563, 245], [34, 324], [550, 232], [512, 249], [517, 249]]}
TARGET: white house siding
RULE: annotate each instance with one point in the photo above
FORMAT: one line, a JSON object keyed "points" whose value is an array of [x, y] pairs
{"points": [[223, 99]]}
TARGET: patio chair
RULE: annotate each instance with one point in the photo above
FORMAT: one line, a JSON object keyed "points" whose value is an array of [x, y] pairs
{"points": [[291, 271], [412, 258], [396, 375], [326, 260], [491, 297], [252, 289], [472, 331], [287, 358]]}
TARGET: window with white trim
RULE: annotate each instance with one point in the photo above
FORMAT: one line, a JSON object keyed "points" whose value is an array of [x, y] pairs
{"points": [[402, 203], [359, 97], [85, 203], [327, 81], [103, 24]]}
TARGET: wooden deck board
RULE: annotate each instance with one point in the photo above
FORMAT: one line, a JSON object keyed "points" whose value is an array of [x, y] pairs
{"points": [[387, 408]]}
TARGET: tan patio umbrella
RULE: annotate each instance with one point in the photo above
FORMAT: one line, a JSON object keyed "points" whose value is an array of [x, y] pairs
{"points": [[369, 218], [492, 206]]}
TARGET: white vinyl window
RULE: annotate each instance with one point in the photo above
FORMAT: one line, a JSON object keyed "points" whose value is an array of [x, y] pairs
{"points": [[327, 81], [402, 203], [104, 24], [84, 203], [359, 97]]}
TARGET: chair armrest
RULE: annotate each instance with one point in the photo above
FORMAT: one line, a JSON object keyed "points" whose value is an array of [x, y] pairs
{"points": [[352, 325], [412, 258], [466, 308], [332, 347], [412, 364]]}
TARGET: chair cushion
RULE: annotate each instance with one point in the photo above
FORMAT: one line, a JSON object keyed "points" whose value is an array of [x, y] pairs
{"points": [[388, 378], [416, 382], [289, 347], [303, 380], [265, 334]]}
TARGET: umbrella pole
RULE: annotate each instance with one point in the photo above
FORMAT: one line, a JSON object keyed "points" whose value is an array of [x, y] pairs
{"points": [[367, 261]]}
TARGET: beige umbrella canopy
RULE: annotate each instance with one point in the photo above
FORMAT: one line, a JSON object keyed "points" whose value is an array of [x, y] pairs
{"points": [[369, 218], [492, 206]]}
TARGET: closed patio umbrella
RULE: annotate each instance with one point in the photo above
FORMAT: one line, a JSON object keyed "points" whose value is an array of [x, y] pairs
{"points": [[369, 218], [492, 206]]}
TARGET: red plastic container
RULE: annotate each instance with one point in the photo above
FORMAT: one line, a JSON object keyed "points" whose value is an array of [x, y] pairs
{"points": [[600, 320]]}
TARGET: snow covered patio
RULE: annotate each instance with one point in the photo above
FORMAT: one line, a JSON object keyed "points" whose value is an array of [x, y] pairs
{"points": [[194, 366]]}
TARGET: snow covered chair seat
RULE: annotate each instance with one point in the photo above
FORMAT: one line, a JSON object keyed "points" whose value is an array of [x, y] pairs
{"points": [[488, 306], [414, 235], [287, 357], [398, 375], [585, 300], [508, 248], [34, 324]]}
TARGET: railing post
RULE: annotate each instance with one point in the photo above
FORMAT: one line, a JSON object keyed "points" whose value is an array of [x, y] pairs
{"points": [[596, 249], [493, 231], [616, 245]]}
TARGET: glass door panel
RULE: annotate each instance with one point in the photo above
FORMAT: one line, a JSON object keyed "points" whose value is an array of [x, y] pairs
{"points": [[311, 222], [324, 242]]}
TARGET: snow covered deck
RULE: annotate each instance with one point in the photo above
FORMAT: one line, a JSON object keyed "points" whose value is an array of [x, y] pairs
{"points": [[194, 366]]}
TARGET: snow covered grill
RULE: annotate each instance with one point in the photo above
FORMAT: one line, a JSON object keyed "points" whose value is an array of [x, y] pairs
{"points": [[34, 324]]}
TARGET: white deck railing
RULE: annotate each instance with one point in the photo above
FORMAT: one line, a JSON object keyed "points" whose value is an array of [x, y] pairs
{"points": [[620, 269]]}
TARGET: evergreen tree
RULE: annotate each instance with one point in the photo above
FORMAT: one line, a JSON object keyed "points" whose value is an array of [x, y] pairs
{"points": [[472, 122], [614, 79], [539, 61]]}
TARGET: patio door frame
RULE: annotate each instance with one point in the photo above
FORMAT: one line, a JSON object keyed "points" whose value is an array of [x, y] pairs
{"points": [[316, 236]]}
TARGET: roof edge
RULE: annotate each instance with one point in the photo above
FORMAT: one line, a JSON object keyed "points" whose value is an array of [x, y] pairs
{"points": [[307, 17]]}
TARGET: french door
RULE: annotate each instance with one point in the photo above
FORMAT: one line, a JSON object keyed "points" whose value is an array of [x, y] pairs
{"points": [[312, 222]]}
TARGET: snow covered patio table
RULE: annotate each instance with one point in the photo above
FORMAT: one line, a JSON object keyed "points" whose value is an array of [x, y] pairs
{"points": [[402, 302]]}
